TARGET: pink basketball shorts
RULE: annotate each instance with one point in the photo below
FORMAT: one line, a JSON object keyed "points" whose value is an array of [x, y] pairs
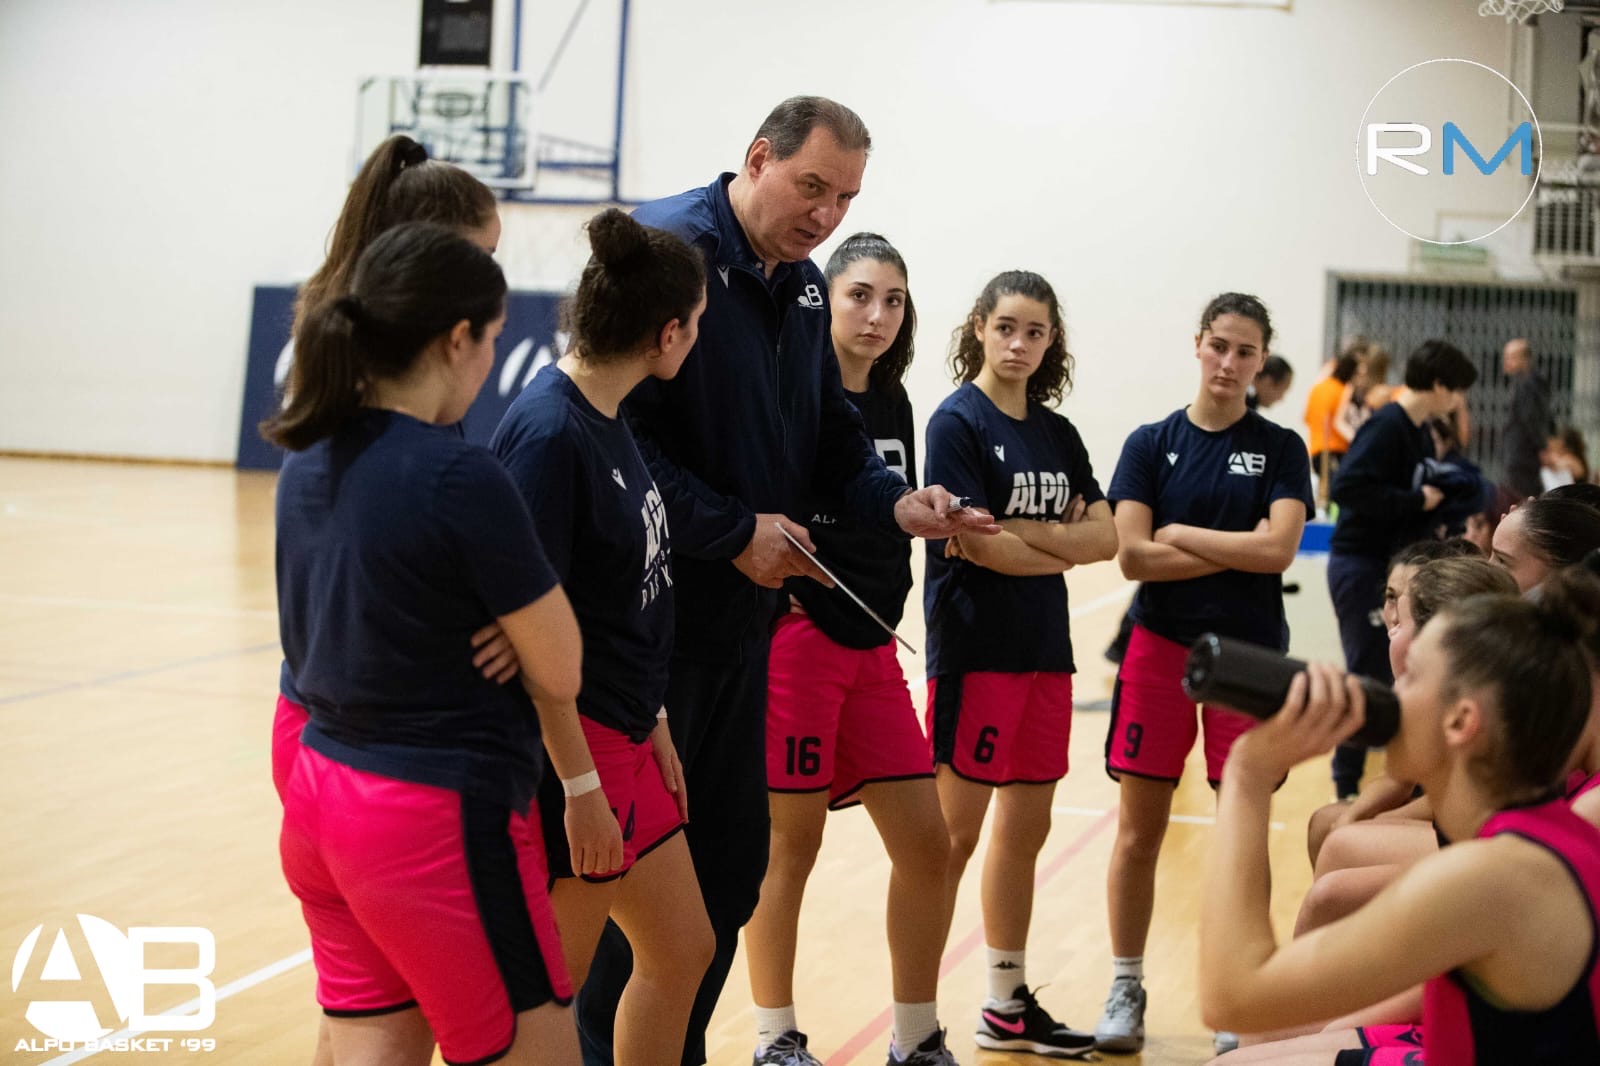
{"points": [[631, 780], [1153, 722], [287, 723], [1002, 728], [421, 896], [1385, 1045], [837, 718]]}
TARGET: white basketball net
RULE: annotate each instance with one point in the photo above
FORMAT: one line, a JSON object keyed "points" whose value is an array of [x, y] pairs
{"points": [[1519, 10]]}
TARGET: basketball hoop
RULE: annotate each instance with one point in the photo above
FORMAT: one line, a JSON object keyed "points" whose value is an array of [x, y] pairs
{"points": [[1519, 10]]}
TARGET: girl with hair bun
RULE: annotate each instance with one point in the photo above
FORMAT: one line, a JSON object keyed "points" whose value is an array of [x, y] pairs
{"points": [[1495, 702], [841, 728], [602, 523], [407, 830], [1000, 662]]}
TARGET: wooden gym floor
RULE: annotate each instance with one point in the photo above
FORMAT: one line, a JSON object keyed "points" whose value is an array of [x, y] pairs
{"points": [[138, 669]]}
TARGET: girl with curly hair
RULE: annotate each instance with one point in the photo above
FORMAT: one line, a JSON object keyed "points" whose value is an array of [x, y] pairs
{"points": [[999, 645]]}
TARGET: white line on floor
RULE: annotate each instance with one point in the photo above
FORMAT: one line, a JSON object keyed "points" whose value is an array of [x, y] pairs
{"points": [[142, 608], [232, 988], [1183, 819]]}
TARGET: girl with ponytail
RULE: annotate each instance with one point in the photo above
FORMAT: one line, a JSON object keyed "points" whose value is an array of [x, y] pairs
{"points": [[1495, 702], [408, 833], [841, 728], [603, 526], [398, 183]]}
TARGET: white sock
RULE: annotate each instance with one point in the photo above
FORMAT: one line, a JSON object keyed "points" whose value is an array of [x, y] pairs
{"points": [[772, 1023], [1132, 966], [1007, 970], [913, 1023]]}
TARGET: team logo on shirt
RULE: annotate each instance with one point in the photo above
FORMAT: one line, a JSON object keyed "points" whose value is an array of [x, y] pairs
{"points": [[1250, 464], [1041, 493], [812, 297], [657, 568], [893, 453]]}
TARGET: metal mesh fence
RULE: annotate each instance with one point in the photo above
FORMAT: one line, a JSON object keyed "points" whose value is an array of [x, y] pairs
{"points": [[1561, 322]]}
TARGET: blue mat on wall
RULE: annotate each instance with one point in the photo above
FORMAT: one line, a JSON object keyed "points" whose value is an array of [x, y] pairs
{"points": [[528, 342]]}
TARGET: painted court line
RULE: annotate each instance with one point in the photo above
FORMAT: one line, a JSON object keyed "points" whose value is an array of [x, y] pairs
{"points": [[138, 607], [1182, 819], [873, 1030], [129, 675], [232, 988], [957, 953]]}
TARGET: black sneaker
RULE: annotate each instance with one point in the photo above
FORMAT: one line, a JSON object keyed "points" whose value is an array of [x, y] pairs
{"points": [[788, 1050], [1027, 1027]]}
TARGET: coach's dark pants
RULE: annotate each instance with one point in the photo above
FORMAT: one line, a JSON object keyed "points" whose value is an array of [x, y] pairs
{"points": [[718, 716], [1355, 583]]}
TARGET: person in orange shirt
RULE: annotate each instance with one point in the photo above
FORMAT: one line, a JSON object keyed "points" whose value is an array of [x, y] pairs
{"points": [[1327, 444]]}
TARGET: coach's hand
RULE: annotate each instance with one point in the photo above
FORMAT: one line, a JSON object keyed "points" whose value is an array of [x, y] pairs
{"points": [[933, 513], [593, 834], [769, 557]]}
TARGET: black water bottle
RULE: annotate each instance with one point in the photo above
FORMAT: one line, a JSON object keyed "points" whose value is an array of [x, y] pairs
{"points": [[1255, 680]]}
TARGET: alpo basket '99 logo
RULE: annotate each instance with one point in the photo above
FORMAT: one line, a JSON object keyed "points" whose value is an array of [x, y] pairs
{"points": [[70, 1017], [1416, 141]]}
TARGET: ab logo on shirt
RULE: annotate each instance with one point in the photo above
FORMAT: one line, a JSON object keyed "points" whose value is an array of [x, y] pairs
{"points": [[1042, 493], [1250, 464], [657, 570]]}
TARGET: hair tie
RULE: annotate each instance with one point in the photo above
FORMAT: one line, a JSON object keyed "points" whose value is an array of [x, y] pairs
{"points": [[350, 307], [413, 154]]}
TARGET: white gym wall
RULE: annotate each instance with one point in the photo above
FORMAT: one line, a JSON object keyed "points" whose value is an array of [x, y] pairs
{"points": [[159, 159]]}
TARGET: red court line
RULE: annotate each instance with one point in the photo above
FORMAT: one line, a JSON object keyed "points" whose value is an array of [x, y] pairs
{"points": [[957, 953]]}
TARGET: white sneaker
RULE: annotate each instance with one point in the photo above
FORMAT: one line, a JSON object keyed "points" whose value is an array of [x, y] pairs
{"points": [[1121, 1026]]}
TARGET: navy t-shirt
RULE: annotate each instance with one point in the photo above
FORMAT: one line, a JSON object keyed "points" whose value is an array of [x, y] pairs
{"points": [[979, 619], [604, 529], [1227, 481], [397, 540], [874, 563]]}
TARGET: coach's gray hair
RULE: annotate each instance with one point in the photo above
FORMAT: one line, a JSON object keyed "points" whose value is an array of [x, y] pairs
{"points": [[792, 121]]}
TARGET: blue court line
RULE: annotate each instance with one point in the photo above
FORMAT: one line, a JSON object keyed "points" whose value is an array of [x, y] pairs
{"points": [[129, 675]]}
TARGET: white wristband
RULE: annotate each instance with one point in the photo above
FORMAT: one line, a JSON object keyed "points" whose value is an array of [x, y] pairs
{"points": [[582, 784]]}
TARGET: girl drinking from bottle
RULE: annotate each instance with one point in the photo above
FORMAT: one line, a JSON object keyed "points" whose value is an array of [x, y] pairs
{"points": [[1501, 925]]}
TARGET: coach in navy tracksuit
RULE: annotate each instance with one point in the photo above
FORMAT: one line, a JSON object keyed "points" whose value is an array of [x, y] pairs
{"points": [[756, 415]]}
